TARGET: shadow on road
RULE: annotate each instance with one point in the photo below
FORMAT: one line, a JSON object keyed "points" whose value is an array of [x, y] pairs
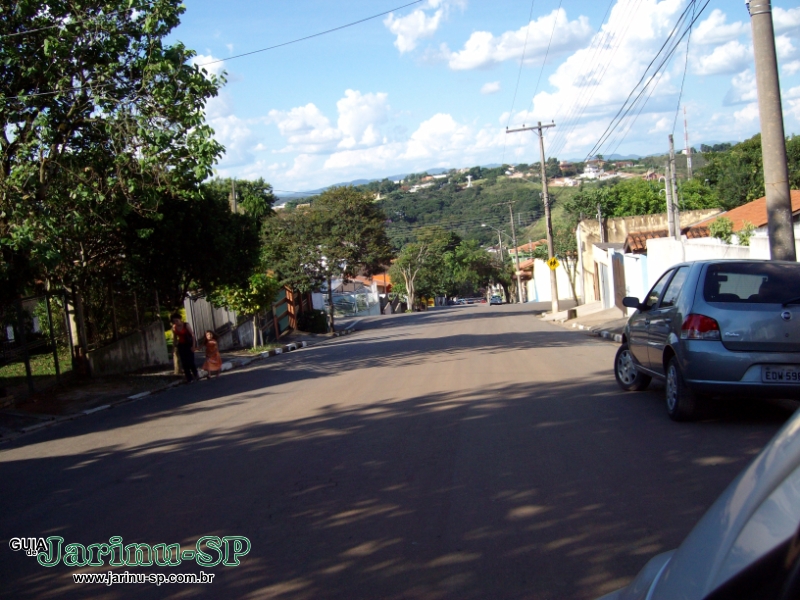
{"points": [[517, 491]]}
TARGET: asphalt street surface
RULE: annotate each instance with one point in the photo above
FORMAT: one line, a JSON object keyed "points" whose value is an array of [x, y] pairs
{"points": [[466, 452]]}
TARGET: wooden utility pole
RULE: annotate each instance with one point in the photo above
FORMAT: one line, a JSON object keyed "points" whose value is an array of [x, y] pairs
{"points": [[546, 199], [773, 140]]}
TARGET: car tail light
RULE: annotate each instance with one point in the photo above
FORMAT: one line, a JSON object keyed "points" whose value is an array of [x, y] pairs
{"points": [[699, 327]]}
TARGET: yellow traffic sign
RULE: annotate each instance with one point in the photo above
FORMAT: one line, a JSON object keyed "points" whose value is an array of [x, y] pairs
{"points": [[553, 263]]}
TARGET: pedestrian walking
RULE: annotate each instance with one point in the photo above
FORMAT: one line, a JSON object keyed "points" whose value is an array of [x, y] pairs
{"points": [[213, 364], [183, 338]]}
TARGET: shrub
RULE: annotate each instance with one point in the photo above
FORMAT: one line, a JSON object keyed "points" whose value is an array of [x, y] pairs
{"points": [[722, 229]]}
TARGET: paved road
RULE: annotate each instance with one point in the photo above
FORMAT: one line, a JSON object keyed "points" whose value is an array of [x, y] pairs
{"points": [[468, 452]]}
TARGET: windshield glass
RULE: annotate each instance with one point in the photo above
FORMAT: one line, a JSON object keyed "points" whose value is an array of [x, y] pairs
{"points": [[759, 283]]}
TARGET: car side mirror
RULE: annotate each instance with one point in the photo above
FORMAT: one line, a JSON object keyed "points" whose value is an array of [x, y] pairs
{"points": [[631, 302]]}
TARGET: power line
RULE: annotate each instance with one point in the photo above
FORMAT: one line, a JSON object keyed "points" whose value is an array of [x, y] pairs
{"points": [[685, 68], [628, 106], [519, 75], [308, 37], [547, 52], [78, 88]]}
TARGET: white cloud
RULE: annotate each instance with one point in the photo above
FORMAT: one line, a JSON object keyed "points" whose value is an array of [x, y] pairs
{"points": [[306, 129], [359, 118], [748, 115], [791, 68], [715, 30], [439, 135], [592, 84], [786, 21], [784, 47], [216, 67], [727, 58], [491, 87], [483, 49], [419, 24], [743, 89]]}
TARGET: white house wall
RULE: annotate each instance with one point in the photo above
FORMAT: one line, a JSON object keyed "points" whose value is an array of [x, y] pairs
{"points": [[539, 287]]}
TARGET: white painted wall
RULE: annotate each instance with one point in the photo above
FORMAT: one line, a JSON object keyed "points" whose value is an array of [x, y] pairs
{"points": [[539, 287]]}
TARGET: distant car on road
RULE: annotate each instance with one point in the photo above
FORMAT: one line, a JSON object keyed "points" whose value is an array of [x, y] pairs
{"points": [[496, 300], [724, 327], [747, 546]]}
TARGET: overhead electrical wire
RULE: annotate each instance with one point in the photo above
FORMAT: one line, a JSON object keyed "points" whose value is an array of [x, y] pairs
{"points": [[519, 75], [308, 37], [670, 45], [685, 68], [613, 41], [547, 52]]}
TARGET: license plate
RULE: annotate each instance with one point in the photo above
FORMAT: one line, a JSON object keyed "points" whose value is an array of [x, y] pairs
{"points": [[780, 374]]}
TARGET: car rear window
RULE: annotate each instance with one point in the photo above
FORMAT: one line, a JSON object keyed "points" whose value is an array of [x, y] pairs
{"points": [[757, 283]]}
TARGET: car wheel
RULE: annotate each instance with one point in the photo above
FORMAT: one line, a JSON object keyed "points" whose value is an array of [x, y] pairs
{"points": [[628, 376], [682, 403]]}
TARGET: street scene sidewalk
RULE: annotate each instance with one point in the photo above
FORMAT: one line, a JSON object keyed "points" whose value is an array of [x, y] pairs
{"points": [[78, 398], [606, 324]]}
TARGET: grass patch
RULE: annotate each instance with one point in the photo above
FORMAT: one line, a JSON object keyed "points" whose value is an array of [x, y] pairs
{"points": [[264, 348], [42, 365]]}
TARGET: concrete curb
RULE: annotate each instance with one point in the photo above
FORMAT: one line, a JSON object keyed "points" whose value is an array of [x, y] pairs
{"points": [[226, 366], [602, 333]]}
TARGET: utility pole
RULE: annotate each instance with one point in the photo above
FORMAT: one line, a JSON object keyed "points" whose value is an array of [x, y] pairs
{"points": [[600, 223], [668, 192], [673, 182], [234, 206], [516, 249], [546, 199], [687, 146], [773, 140]]}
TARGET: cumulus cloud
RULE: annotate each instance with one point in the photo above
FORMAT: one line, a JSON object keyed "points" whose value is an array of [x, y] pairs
{"points": [[784, 47], [786, 21], [715, 30], [748, 115], [483, 49], [743, 89], [231, 131], [791, 68], [418, 24], [440, 134], [306, 129], [359, 118], [216, 66], [491, 87], [730, 57], [593, 82]]}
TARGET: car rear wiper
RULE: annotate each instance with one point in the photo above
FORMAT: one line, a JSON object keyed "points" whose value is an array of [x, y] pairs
{"points": [[792, 301]]}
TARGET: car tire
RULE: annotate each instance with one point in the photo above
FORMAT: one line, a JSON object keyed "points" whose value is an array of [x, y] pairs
{"points": [[682, 403], [628, 376]]}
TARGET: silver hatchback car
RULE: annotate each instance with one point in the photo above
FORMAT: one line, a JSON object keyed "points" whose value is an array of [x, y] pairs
{"points": [[722, 327]]}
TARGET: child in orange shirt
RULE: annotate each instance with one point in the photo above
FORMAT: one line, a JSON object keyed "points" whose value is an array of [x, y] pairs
{"points": [[213, 363]]}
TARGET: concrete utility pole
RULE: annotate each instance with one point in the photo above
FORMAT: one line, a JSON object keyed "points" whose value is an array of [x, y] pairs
{"points": [[673, 182], [600, 223], [773, 138], [668, 193], [546, 199], [687, 146], [234, 205], [516, 249]]}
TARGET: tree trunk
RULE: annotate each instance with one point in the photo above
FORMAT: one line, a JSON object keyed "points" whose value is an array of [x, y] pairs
{"points": [[255, 331], [571, 269], [331, 324]]}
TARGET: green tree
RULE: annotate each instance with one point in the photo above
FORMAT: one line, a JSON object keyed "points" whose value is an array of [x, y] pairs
{"points": [[340, 235], [253, 298], [722, 229], [191, 244], [101, 120]]}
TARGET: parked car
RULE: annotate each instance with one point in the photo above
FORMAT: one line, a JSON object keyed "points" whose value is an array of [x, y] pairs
{"points": [[496, 300], [723, 327], [747, 546]]}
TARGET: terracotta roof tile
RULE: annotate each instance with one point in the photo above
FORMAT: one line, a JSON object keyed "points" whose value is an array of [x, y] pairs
{"points": [[754, 212]]}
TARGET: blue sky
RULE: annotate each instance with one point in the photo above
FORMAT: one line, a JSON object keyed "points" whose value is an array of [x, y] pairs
{"points": [[435, 84]]}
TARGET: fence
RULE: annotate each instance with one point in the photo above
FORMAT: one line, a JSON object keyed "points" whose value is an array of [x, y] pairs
{"points": [[35, 345], [360, 303]]}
